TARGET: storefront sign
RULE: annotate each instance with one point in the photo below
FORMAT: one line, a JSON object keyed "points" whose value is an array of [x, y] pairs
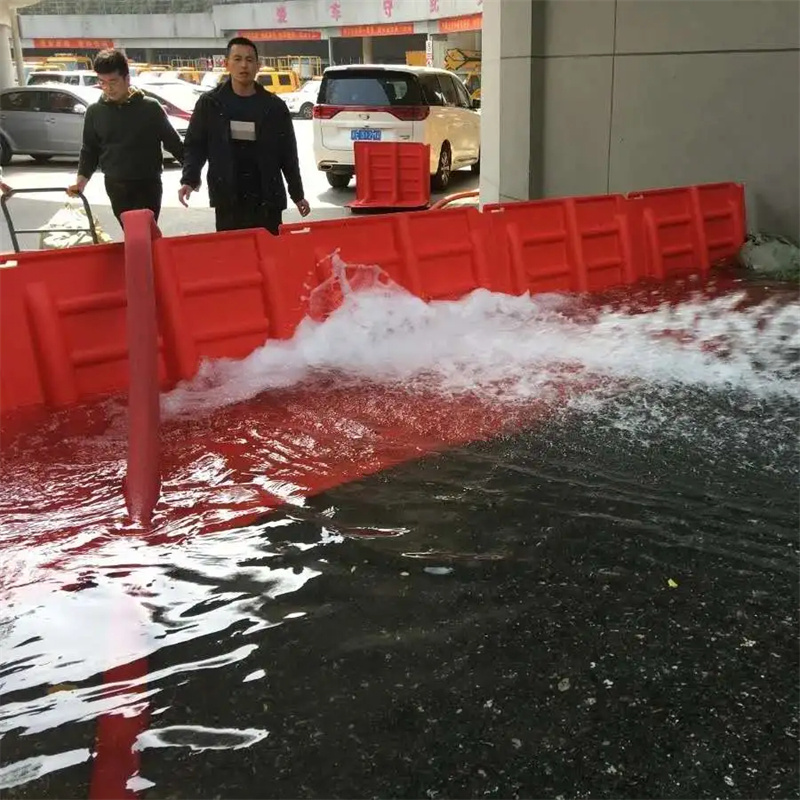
{"points": [[282, 35], [471, 22], [72, 44], [393, 29]]}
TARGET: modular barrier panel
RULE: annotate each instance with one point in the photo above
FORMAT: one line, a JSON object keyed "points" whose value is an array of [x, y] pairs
{"points": [[392, 175], [63, 330]]}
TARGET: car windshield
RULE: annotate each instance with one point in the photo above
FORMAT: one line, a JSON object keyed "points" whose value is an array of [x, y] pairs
{"points": [[155, 75], [364, 87], [182, 97]]}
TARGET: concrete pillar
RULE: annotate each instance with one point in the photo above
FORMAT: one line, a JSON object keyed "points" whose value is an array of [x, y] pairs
{"points": [[6, 64], [150, 55], [366, 50], [15, 38], [331, 62], [439, 48], [506, 103]]}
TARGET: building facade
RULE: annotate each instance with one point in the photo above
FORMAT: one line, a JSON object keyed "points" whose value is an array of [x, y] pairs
{"points": [[592, 96], [149, 28]]}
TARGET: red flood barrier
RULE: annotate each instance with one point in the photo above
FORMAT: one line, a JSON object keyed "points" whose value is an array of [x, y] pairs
{"points": [[436, 255], [392, 175], [67, 317], [579, 244], [213, 301], [687, 229], [63, 324], [62, 327]]}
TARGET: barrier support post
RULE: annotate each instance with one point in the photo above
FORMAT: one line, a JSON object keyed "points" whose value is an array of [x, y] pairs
{"points": [[143, 473]]}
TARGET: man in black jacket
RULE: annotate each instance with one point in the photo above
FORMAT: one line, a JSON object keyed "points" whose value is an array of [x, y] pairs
{"points": [[124, 133], [246, 135]]}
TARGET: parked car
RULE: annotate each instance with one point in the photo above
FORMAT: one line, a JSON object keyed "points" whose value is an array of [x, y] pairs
{"points": [[301, 103], [278, 81], [177, 98], [72, 77], [212, 79], [391, 103], [47, 121]]}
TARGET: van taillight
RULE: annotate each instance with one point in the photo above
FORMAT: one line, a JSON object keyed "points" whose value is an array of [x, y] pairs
{"points": [[404, 113], [408, 113], [326, 112]]}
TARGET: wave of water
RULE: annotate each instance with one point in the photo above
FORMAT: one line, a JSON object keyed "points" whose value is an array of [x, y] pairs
{"points": [[514, 348]]}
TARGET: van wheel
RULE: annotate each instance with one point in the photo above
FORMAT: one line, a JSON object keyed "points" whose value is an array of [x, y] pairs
{"points": [[5, 152], [476, 167], [338, 180], [441, 180], [307, 111]]}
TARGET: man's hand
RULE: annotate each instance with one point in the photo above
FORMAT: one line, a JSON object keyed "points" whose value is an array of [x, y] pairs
{"points": [[184, 193], [77, 187], [303, 207], [5, 188]]}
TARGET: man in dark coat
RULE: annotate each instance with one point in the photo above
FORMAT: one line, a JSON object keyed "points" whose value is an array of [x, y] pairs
{"points": [[125, 134], [245, 134]]}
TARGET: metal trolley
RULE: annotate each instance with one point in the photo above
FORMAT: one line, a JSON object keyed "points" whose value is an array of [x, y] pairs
{"points": [[14, 232]]}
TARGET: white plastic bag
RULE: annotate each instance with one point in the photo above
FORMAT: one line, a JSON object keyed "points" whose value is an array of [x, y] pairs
{"points": [[73, 218]]}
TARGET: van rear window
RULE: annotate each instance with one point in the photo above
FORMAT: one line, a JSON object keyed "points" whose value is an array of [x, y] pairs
{"points": [[45, 77], [370, 88]]}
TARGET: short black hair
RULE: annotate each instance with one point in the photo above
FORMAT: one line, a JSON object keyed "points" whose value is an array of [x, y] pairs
{"points": [[244, 42], [108, 61]]}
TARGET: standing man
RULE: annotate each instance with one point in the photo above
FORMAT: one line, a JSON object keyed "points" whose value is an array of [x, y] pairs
{"points": [[246, 135], [124, 133]]}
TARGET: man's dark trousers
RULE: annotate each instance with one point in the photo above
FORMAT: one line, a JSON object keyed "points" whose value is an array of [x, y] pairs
{"points": [[248, 215], [130, 195]]}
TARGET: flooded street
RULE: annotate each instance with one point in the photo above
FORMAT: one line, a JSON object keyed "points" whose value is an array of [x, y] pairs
{"points": [[501, 547]]}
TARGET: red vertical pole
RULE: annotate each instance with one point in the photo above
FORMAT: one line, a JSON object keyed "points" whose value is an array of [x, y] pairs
{"points": [[143, 476]]}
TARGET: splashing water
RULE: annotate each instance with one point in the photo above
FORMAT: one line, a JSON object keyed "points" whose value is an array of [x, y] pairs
{"points": [[509, 348]]}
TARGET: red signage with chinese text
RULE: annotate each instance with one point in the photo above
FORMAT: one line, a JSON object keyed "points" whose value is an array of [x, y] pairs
{"points": [[471, 22], [66, 44], [390, 29], [282, 35]]}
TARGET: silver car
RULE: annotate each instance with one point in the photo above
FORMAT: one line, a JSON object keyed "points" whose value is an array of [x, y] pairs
{"points": [[43, 121], [47, 121]]}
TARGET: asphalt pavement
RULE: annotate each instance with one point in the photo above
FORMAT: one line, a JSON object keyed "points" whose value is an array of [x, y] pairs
{"points": [[34, 210]]}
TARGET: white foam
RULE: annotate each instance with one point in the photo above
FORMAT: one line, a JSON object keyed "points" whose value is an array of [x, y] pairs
{"points": [[510, 348], [200, 737], [22, 772]]}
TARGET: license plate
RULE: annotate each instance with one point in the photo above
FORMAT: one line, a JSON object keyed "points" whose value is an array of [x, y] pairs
{"points": [[365, 135]]}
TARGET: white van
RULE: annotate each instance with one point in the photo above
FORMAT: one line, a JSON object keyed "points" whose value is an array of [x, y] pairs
{"points": [[394, 103]]}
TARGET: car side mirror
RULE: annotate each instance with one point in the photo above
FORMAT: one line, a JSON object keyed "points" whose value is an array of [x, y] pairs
{"points": [[79, 108]]}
